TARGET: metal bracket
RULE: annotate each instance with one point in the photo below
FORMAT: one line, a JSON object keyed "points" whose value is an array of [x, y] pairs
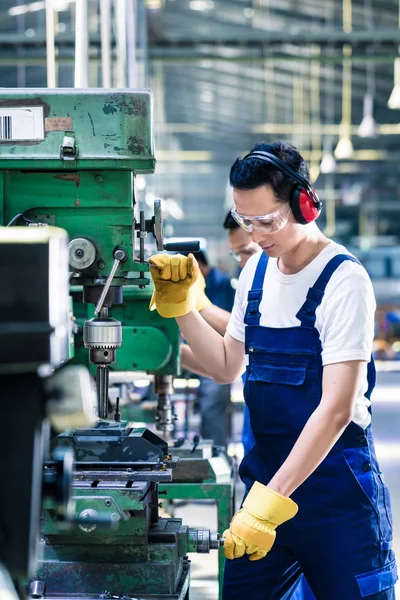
{"points": [[68, 149]]}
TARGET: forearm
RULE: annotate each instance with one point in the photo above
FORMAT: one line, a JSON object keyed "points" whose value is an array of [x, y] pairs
{"points": [[217, 317], [189, 362], [319, 435], [208, 347]]}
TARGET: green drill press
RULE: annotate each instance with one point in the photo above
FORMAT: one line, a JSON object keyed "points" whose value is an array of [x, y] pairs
{"points": [[68, 158]]}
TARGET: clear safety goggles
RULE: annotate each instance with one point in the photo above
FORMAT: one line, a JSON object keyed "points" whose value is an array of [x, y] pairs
{"points": [[245, 251], [270, 223]]}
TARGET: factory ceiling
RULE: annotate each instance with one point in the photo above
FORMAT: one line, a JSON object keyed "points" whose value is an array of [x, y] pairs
{"points": [[229, 73]]}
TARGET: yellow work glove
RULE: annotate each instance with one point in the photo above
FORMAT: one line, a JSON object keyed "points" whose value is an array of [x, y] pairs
{"points": [[174, 276], [199, 290], [252, 529]]}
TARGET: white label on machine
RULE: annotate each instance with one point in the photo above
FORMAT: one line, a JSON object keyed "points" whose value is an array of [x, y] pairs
{"points": [[22, 123]]}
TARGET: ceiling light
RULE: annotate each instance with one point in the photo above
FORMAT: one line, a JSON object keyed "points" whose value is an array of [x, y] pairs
{"points": [[21, 10], [328, 163], [314, 172], [344, 150], [207, 96], [368, 126], [394, 100], [58, 5], [202, 5], [154, 4]]}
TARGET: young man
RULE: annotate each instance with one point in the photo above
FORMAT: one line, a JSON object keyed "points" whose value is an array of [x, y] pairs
{"points": [[313, 479]]}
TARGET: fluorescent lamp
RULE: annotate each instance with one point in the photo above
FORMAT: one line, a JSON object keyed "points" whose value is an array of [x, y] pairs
{"points": [[328, 163], [368, 126], [394, 100], [344, 150], [201, 5]]}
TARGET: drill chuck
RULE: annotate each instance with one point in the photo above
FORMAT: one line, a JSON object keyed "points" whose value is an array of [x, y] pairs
{"points": [[102, 333]]}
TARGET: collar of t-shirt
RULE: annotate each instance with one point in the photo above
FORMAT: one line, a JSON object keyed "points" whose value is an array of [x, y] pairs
{"points": [[322, 257]]}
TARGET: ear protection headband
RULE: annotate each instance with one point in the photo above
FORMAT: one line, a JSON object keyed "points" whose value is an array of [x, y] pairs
{"points": [[303, 201]]}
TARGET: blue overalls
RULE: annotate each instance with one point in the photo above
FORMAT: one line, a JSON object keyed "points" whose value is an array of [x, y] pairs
{"points": [[341, 538]]}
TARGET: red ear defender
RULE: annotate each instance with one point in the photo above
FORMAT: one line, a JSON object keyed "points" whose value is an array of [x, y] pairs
{"points": [[304, 201], [305, 205]]}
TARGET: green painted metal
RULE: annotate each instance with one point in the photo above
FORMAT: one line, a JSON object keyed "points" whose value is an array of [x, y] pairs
{"points": [[92, 197], [224, 497], [149, 342], [94, 205], [112, 130], [142, 555]]}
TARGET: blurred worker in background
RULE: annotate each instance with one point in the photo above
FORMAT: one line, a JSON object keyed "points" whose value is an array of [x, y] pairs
{"points": [[241, 248], [215, 398], [313, 480]]}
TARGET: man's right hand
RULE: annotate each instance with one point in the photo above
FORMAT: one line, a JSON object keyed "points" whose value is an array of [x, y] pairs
{"points": [[174, 277]]}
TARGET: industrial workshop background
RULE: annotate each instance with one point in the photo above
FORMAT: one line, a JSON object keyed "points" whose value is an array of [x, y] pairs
{"points": [[226, 74]]}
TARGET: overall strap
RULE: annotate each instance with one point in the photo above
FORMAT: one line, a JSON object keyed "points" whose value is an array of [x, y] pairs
{"points": [[254, 297], [306, 314]]}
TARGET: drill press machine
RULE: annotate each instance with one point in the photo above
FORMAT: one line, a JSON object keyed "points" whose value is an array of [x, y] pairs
{"points": [[68, 158]]}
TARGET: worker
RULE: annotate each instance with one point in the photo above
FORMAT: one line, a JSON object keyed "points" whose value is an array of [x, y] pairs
{"points": [[215, 398], [313, 481], [242, 248]]}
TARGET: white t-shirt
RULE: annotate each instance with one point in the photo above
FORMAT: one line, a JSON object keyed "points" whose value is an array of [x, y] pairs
{"points": [[344, 319]]}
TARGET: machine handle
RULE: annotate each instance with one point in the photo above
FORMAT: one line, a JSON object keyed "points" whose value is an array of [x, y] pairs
{"points": [[118, 256], [191, 246]]}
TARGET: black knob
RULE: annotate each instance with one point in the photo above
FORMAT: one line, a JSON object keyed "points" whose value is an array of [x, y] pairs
{"points": [[191, 246]]}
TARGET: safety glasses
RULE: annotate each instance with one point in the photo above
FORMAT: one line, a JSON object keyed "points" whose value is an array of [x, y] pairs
{"points": [[270, 223], [244, 252]]}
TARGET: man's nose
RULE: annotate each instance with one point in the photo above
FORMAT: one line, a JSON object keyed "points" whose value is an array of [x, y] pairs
{"points": [[256, 236]]}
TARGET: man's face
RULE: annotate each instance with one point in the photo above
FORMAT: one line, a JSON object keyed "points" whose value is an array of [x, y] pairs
{"points": [[242, 245], [262, 201]]}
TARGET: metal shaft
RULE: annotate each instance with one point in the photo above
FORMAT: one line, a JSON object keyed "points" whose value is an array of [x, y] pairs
{"points": [[163, 389], [102, 390]]}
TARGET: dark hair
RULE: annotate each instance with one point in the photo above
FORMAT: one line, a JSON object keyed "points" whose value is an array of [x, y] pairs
{"points": [[200, 256], [229, 223], [251, 173]]}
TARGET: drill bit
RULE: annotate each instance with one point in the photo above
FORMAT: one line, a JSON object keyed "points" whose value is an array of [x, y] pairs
{"points": [[102, 390]]}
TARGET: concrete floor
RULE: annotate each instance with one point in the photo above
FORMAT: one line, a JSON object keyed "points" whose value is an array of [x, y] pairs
{"points": [[386, 424]]}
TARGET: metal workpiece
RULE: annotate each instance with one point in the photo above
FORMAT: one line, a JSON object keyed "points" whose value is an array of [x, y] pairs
{"points": [[116, 443]]}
